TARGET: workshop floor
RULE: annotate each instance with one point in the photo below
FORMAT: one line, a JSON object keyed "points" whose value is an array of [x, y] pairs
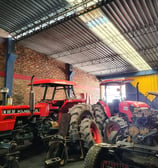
{"points": [[34, 158]]}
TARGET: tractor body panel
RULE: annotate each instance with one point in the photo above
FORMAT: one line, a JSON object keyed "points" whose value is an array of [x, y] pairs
{"points": [[63, 105], [126, 107], [8, 114], [58, 107]]}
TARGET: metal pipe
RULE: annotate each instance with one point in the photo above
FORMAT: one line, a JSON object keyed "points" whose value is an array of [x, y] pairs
{"points": [[32, 97], [137, 94]]}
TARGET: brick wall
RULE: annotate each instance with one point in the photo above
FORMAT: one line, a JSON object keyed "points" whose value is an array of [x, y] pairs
{"points": [[2, 56], [30, 63], [87, 84]]}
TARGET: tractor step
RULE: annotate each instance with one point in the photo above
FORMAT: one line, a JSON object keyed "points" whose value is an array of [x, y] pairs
{"points": [[53, 163]]}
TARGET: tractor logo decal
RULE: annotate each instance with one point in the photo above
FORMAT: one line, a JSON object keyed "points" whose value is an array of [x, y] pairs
{"points": [[125, 108], [15, 111]]}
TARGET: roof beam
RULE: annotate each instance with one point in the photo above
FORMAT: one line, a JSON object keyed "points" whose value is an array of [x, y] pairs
{"points": [[75, 50], [97, 61], [58, 18], [140, 73]]}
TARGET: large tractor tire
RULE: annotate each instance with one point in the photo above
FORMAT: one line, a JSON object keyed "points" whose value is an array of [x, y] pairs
{"points": [[95, 157], [115, 129], [99, 115], [78, 113], [90, 133]]}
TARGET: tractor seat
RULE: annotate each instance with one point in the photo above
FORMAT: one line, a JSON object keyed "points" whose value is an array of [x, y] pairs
{"points": [[116, 103], [114, 106], [56, 105]]}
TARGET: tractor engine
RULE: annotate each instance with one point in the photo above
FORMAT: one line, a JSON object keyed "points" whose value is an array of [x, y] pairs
{"points": [[18, 125], [140, 121], [142, 128], [22, 130], [30, 129]]}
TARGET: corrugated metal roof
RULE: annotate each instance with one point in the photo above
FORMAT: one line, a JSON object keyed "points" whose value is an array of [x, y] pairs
{"points": [[25, 18], [72, 42], [138, 22], [16, 16]]}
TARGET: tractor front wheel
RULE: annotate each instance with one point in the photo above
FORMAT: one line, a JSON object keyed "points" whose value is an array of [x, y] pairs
{"points": [[95, 157], [99, 115], [115, 129]]}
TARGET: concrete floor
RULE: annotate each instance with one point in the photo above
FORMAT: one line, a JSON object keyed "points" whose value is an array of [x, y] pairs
{"points": [[34, 158], [36, 162]]}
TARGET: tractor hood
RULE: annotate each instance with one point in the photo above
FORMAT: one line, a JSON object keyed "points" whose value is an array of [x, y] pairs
{"points": [[134, 104]]}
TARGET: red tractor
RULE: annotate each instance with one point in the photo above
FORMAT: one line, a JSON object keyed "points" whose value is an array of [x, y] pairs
{"points": [[122, 119], [131, 128], [72, 119], [64, 124]]}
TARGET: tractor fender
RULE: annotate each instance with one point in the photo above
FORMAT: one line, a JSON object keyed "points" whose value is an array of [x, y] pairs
{"points": [[84, 110], [105, 108]]}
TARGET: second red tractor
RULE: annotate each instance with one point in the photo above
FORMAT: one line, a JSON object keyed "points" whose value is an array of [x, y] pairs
{"points": [[125, 119]]}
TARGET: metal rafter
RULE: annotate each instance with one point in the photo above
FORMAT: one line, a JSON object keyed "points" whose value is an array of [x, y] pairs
{"points": [[75, 50], [58, 17], [110, 58]]}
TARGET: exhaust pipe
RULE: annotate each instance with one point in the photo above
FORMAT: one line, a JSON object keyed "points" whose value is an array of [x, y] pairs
{"points": [[137, 92], [32, 97]]}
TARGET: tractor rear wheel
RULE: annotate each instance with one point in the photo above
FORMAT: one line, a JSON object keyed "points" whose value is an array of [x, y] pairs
{"points": [[78, 113], [90, 133], [99, 115], [115, 129]]}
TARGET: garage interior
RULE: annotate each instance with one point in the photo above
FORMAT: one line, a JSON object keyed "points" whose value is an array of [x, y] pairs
{"points": [[84, 41]]}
